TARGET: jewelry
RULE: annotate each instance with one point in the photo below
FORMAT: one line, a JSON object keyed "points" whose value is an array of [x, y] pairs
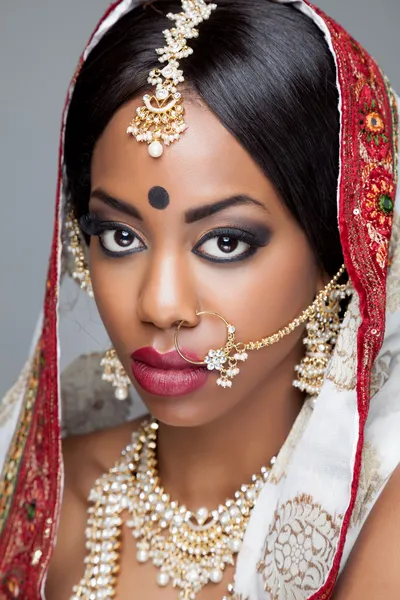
{"points": [[322, 331], [115, 374], [190, 549], [161, 118], [226, 359], [80, 271]]}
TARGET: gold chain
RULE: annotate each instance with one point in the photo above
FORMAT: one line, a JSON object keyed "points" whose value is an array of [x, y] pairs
{"points": [[307, 314]]}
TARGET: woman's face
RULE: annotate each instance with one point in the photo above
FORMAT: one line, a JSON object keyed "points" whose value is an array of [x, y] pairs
{"points": [[215, 237]]}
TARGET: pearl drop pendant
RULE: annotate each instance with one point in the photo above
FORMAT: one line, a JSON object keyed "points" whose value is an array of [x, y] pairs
{"points": [[163, 579], [142, 556], [121, 393], [156, 149], [216, 576]]}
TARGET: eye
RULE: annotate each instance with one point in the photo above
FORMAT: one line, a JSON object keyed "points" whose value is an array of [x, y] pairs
{"points": [[226, 245], [120, 241], [116, 239]]}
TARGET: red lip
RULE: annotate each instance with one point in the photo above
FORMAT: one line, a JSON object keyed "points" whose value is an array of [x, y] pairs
{"points": [[167, 374], [169, 360]]}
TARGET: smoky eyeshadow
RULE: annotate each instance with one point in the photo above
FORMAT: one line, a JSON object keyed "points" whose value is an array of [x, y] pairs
{"points": [[90, 224], [259, 233]]}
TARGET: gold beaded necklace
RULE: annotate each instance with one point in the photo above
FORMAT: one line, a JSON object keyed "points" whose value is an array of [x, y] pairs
{"points": [[189, 549]]}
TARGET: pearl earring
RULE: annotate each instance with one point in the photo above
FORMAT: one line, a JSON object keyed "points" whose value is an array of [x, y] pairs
{"points": [[322, 332], [115, 374]]}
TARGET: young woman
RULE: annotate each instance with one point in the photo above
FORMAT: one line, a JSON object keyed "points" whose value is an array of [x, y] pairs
{"points": [[232, 210]]}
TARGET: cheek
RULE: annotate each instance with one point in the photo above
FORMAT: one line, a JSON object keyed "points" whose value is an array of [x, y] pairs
{"points": [[269, 293], [114, 287], [264, 294]]}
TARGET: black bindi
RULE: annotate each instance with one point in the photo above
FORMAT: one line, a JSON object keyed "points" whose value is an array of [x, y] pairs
{"points": [[158, 197]]}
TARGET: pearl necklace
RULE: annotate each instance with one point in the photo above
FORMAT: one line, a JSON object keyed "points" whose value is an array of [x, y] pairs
{"points": [[190, 549]]}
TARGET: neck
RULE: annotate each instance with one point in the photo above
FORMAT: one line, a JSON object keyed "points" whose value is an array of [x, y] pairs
{"points": [[204, 466]]}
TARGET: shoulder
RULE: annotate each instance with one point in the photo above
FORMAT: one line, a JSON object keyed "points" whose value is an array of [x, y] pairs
{"points": [[373, 569], [87, 457]]}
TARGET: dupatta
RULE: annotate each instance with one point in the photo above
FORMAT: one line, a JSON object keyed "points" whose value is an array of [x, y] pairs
{"points": [[338, 456]]}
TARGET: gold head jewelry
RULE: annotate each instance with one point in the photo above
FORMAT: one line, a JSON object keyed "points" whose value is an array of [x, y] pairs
{"points": [[225, 360], [161, 119]]}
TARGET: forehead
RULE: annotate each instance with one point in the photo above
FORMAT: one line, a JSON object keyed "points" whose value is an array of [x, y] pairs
{"points": [[207, 161]]}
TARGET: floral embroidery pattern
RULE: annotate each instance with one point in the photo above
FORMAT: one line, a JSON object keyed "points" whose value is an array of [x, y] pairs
{"points": [[377, 209], [379, 201], [342, 369], [370, 483], [299, 550], [372, 125], [380, 373], [11, 467]]}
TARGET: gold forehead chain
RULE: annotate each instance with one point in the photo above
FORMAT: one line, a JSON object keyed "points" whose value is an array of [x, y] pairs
{"points": [[160, 120]]}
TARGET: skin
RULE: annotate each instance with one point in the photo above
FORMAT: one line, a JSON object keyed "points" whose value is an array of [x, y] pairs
{"points": [[212, 440]]}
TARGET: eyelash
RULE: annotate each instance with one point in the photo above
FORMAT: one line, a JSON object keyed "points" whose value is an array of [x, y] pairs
{"points": [[92, 226]]}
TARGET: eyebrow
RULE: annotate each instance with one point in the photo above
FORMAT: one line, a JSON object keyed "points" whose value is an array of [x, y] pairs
{"points": [[202, 212], [119, 205], [191, 215]]}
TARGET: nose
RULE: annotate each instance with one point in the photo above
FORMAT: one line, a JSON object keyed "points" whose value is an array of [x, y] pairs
{"points": [[168, 294]]}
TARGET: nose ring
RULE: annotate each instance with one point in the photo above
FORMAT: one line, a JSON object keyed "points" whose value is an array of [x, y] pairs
{"points": [[222, 359]]}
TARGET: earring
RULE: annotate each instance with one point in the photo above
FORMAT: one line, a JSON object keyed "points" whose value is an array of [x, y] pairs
{"points": [[115, 374], [80, 271], [322, 331]]}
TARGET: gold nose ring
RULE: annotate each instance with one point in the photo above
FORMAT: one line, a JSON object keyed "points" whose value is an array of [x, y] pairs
{"points": [[221, 359]]}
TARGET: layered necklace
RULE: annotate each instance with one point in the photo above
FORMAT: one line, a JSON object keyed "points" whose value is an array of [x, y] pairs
{"points": [[189, 549]]}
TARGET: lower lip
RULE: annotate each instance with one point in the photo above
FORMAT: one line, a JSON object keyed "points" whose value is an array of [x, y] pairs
{"points": [[163, 382]]}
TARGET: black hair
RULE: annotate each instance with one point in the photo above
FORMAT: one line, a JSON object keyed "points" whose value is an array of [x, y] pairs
{"points": [[266, 72]]}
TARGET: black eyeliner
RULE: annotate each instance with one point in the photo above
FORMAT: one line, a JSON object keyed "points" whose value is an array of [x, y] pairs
{"points": [[91, 225], [255, 237]]}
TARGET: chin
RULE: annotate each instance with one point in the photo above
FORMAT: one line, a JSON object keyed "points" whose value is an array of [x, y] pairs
{"points": [[192, 410]]}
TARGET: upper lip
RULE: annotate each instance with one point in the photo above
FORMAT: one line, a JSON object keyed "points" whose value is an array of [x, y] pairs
{"points": [[169, 360]]}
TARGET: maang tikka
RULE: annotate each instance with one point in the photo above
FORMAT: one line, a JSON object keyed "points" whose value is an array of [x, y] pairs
{"points": [[161, 118], [322, 330]]}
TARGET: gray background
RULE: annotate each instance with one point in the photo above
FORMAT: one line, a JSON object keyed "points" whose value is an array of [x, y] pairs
{"points": [[40, 42]]}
